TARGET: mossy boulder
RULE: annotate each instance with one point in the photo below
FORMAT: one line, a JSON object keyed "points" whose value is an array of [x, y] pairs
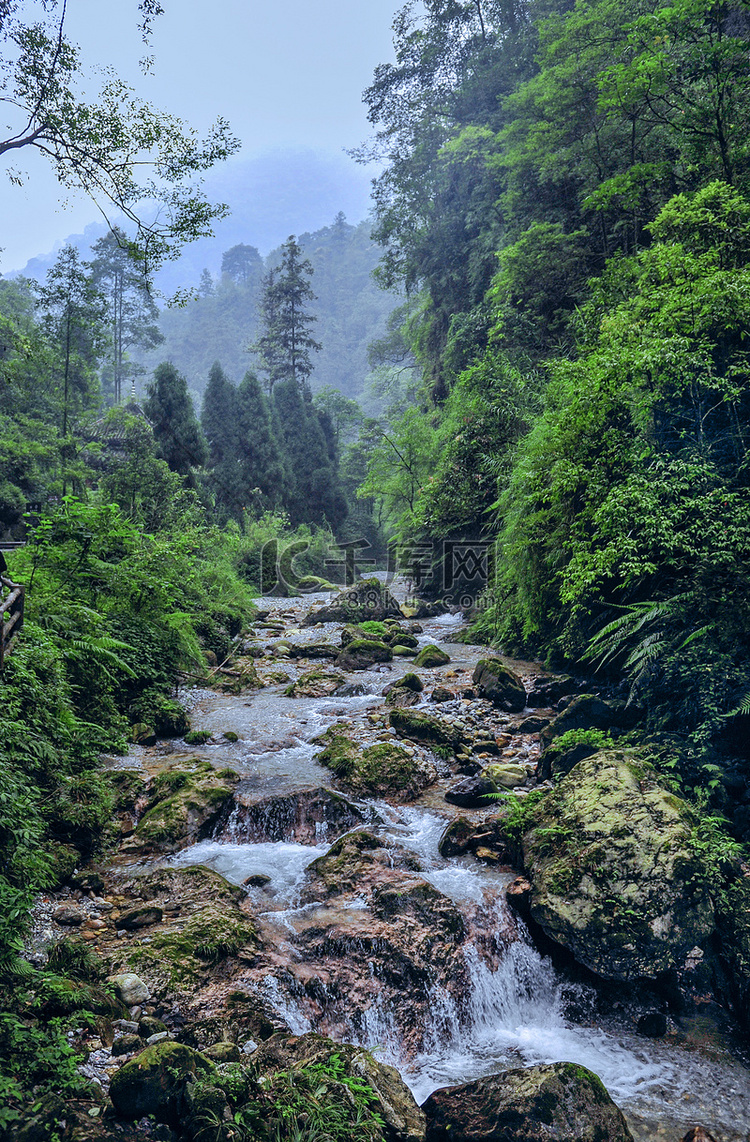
{"points": [[203, 925], [561, 1102], [166, 715], [585, 712], [362, 653], [401, 698], [366, 601], [506, 775], [341, 869], [154, 1081], [617, 878], [421, 727], [184, 806], [431, 656], [397, 637], [497, 683], [384, 769], [390, 1097], [315, 684]]}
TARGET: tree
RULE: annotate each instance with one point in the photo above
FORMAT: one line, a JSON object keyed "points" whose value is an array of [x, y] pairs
{"points": [[316, 495], [133, 315], [74, 317], [285, 343], [103, 147], [243, 264], [169, 408], [262, 478]]}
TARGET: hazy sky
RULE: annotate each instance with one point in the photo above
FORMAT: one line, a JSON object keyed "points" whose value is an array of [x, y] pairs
{"points": [[283, 72]]}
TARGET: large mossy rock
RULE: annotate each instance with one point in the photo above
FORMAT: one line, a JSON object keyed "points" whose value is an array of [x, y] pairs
{"points": [[367, 601], [391, 1098], [615, 872], [154, 1081], [362, 653], [382, 769], [431, 656], [497, 683], [425, 728], [184, 806], [561, 1102]]}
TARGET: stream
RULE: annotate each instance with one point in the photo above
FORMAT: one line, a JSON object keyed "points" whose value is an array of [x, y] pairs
{"points": [[498, 1004]]}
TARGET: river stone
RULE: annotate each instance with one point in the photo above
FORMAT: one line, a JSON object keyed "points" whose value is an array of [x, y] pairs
{"points": [[400, 651], [362, 653], [140, 917], [585, 712], [315, 684], [399, 698], [561, 1102], [130, 988], [185, 805], [497, 683], [431, 656], [154, 1081], [68, 915], [616, 877], [426, 728], [368, 600], [548, 689], [505, 776], [472, 792]]}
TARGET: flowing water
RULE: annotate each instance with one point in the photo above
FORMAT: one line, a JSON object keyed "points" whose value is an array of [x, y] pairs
{"points": [[514, 1009]]}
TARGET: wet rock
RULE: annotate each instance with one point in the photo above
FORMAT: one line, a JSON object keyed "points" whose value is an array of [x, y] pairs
{"points": [[402, 639], [653, 1025], [350, 690], [440, 694], [498, 684], [347, 864], [154, 1082], [142, 734], [424, 609], [401, 651], [149, 1025], [400, 698], [547, 690], [366, 601], [127, 1044], [585, 712], [698, 1134], [532, 725], [431, 656], [472, 792], [257, 880], [320, 650], [384, 769], [425, 728], [518, 895], [315, 684], [456, 838], [362, 653], [410, 681], [561, 1102], [185, 805], [130, 988], [616, 876], [141, 917], [299, 817]]}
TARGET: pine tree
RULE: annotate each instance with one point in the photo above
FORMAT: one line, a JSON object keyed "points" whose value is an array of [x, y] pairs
{"points": [[169, 408], [285, 344], [315, 495], [263, 480]]}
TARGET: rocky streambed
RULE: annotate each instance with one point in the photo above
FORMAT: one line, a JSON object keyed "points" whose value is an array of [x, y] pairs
{"points": [[332, 854]]}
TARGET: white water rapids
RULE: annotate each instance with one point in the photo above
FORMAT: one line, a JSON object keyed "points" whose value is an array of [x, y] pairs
{"points": [[516, 1010]]}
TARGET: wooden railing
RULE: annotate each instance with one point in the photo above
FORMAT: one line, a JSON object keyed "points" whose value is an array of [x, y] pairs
{"points": [[11, 616]]}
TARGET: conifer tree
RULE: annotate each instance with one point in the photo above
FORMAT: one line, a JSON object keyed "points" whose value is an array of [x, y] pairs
{"points": [[315, 495], [169, 408], [262, 477], [285, 345]]}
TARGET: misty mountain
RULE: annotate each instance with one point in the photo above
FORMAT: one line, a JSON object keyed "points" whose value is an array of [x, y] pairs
{"points": [[271, 196]]}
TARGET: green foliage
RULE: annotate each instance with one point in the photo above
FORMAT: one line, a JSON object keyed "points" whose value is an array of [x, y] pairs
{"points": [[319, 1101], [178, 436]]}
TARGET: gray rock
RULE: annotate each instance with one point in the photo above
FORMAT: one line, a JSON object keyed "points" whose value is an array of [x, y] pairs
{"points": [[130, 988]]}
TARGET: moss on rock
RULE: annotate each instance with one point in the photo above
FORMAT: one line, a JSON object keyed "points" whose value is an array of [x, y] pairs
{"points": [[154, 1081], [184, 806], [616, 875]]}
